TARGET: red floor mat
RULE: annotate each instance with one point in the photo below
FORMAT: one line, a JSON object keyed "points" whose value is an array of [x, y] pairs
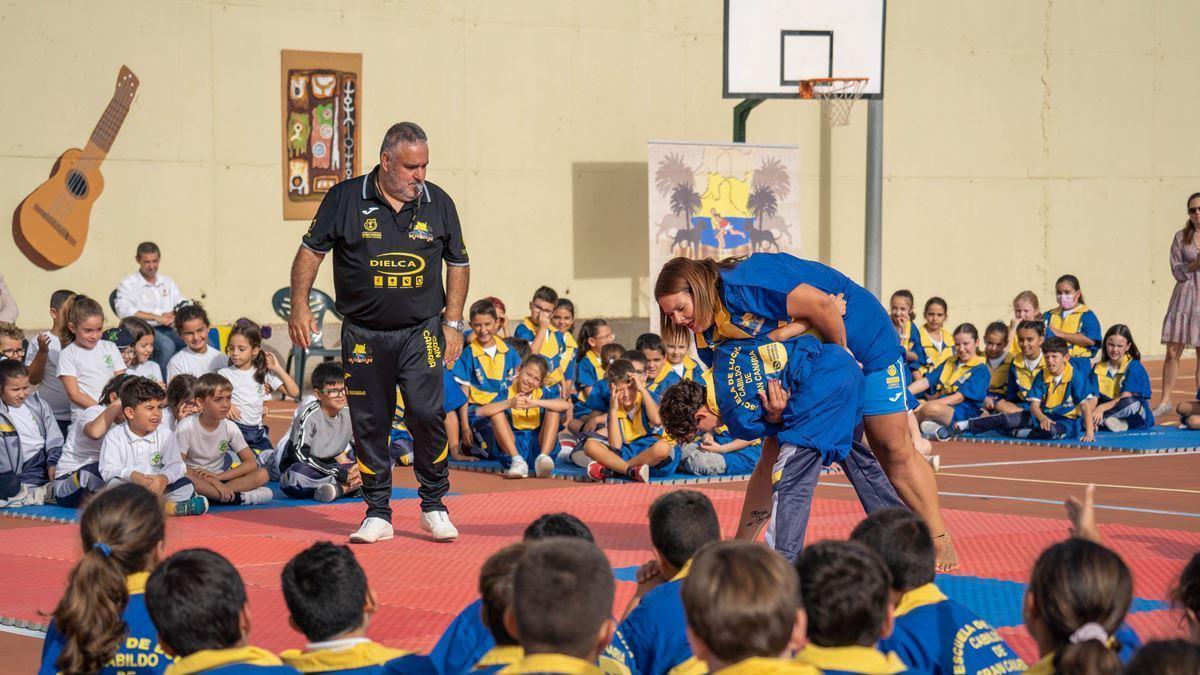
{"points": [[422, 584]]}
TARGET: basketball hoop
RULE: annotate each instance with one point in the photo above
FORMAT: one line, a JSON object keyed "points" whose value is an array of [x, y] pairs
{"points": [[837, 96]]}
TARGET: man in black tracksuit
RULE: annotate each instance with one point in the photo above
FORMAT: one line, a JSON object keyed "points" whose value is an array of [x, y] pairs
{"points": [[390, 231]]}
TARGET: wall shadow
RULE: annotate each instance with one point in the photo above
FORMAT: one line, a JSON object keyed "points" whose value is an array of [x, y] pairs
{"points": [[610, 202]]}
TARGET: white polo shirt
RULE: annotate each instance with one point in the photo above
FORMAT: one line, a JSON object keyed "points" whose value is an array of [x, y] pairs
{"points": [[135, 294], [156, 453], [80, 450], [188, 362]]}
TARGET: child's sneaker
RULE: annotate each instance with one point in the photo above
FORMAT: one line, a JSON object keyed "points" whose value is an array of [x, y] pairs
{"points": [[638, 473], [328, 492], [929, 428], [543, 466], [935, 462], [518, 469], [196, 506], [947, 432], [260, 495], [597, 472], [1115, 424]]}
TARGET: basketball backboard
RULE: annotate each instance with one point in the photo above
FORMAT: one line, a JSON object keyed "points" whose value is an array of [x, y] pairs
{"points": [[771, 45]]}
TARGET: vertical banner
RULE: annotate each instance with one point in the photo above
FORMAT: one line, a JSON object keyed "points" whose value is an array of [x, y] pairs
{"points": [[322, 115], [717, 200]]}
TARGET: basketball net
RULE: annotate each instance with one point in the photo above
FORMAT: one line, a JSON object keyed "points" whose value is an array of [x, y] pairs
{"points": [[837, 96]]}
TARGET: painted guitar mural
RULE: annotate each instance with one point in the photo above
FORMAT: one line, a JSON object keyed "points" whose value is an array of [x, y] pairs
{"points": [[50, 226]]}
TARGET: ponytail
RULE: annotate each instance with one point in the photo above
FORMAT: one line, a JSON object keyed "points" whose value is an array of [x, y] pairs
{"points": [[588, 331], [1093, 656], [121, 529], [76, 308], [254, 335]]}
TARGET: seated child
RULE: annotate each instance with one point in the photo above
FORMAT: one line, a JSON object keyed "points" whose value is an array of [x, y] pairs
{"points": [[1072, 320], [956, 388], [1060, 401], [814, 424], [1025, 308], [29, 437], [467, 640], [144, 452], [330, 602], [1166, 657], [594, 336], [101, 624], [903, 317], [999, 363], [501, 315], [932, 633], [255, 374], [523, 427], [544, 338], [496, 597], [594, 413], [487, 365], [715, 452], [454, 404], [678, 359], [87, 361], [845, 588], [12, 343], [742, 603], [209, 443], [181, 400], [653, 638], [561, 610], [601, 396], [317, 461], [42, 358], [1122, 384], [138, 359], [191, 322], [77, 474], [936, 343], [1078, 595], [198, 604], [1026, 366], [659, 375], [628, 445]]}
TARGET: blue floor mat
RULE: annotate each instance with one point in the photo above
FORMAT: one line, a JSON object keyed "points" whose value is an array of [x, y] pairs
{"points": [[1158, 439], [999, 601], [63, 514], [568, 471]]}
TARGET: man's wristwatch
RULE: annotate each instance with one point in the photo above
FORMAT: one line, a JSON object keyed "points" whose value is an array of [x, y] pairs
{"points": [[460, 325]]}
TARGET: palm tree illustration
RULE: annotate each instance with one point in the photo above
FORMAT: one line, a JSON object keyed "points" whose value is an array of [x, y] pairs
{"points": [[672, 171]]}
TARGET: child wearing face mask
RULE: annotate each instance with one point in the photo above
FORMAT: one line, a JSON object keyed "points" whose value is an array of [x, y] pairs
{"points": [[1073, 321]]}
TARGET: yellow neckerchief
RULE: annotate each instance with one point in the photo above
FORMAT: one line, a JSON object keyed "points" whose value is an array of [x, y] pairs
{"points": [[551, 349], [1056, 394], [1044, 666], [689, 367], [632, 421], [693, 666], [724, 328], [492, 367], [933, 355], [683, 571], [865, 660], [1025, 376], [208, 659], [955, 373], [552, 663], [1112, 385], [501, 655], [360, 655], [999, 381], [1069, 324], [710, 392], [1012, 346], [758, 665], [663, 373], [525, 419], [904, 332], [136, 583], [929, 594]]}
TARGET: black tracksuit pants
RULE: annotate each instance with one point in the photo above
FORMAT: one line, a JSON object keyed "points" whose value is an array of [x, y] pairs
{"points": [[376, 362]]}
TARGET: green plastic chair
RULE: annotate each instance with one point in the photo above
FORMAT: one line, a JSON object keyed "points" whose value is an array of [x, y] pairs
{"points": [[319, 303], [112, 303]]}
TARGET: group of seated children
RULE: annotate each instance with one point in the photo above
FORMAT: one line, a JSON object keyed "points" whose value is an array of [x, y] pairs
{"points": [[543, 394], [868, 605], [1042, 376]]}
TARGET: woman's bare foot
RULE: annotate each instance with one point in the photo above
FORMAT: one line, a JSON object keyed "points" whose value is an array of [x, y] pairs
{"points": [[945, 557], [458, 456]]}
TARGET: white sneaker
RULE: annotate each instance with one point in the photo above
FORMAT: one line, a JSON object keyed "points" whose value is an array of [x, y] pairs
{"points": [[1115, 424], [372, 530], [543, 466], [1163, 409], [327, 493], [929, 428], [438, 525], [518, 469], [260, 495], [935, 461]]}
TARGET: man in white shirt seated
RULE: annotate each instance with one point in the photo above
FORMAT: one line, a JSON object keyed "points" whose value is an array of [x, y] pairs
{"points": [[149, 295]]}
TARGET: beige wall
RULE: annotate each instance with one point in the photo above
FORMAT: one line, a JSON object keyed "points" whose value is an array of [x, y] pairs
{"points": [[1022, 140]]}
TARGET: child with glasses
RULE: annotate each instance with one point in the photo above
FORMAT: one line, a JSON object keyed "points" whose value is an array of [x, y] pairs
{"points": [[316, 461]]}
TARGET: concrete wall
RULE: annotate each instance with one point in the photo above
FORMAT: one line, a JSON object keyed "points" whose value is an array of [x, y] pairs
{"points": [[1022, 140]]}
